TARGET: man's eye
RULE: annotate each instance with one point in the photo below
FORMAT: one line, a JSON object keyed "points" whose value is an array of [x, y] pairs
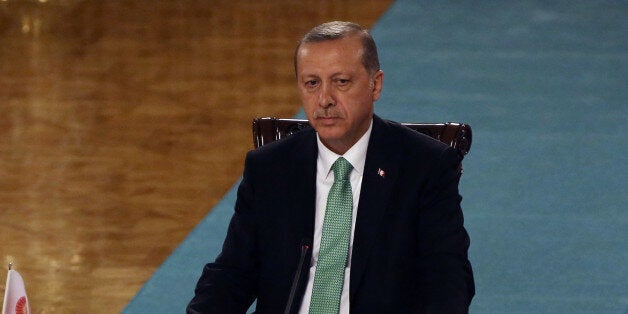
{"points": [[342, 81], [311, 83]]}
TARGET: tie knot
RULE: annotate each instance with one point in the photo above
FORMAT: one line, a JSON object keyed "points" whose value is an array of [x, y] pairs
{"points": [[341, 168]]}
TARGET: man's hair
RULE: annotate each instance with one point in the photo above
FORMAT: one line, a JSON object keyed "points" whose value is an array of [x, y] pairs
{"points": [[338, 30]]}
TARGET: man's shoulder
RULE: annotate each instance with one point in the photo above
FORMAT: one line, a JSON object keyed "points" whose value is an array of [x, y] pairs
{"points": [[407, 139], [414, 150], [299, 143]]}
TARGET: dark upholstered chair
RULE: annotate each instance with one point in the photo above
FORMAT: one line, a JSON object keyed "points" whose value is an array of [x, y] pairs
{"points": [[456, 135]]}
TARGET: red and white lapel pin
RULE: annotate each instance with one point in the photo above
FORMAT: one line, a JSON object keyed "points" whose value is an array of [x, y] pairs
{"points": [[381, 172]]}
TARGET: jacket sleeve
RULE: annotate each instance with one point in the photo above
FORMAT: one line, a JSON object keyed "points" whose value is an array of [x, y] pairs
{"points": [[229, 285], [447, 280]]}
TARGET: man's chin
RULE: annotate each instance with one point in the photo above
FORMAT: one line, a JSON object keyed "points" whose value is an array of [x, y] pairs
{"points": [[328, 136]]}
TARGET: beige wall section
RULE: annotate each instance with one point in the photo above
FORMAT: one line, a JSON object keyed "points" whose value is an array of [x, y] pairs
{"points": [[123, 122]]}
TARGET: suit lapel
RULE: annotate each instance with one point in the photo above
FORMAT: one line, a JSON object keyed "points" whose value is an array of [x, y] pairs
{"points": [[380, 173], [304, 177]]}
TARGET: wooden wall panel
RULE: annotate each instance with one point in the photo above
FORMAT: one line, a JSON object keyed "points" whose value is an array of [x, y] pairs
{"points": [[123, 122]]}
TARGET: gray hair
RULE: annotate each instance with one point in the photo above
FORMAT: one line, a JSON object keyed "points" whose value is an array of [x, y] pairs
{"points": [[338, 30]]}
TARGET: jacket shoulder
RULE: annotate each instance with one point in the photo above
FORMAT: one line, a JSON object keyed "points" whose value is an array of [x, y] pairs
{"points": [[284, 149], [410, 140]]}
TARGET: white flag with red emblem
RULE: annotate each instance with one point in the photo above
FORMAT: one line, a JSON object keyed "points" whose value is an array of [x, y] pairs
{"points": [[15, 300]]}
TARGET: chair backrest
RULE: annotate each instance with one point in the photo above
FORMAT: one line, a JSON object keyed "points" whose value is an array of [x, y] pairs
{"points": [[456, 135]]}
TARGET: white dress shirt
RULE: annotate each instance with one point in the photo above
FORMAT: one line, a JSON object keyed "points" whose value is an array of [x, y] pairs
{"points": [[356, 155]]}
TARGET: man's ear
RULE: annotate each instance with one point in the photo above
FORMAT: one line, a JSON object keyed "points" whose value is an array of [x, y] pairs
{"points": [[378, 81]]}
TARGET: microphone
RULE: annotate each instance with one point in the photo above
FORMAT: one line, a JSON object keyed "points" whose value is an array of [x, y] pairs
{"points": [[305, 247]]}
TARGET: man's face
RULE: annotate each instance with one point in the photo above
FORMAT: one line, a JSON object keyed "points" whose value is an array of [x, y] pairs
{"points": [[337, 92]]}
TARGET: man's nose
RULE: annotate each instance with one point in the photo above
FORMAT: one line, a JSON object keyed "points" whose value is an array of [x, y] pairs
{"points": [[325, 97]]}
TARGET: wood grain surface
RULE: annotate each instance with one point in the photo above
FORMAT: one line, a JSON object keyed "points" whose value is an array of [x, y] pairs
{"points": [[122, 123]]}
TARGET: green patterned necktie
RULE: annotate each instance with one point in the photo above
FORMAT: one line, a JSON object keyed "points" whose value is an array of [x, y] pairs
{"points": [[332, 257]]}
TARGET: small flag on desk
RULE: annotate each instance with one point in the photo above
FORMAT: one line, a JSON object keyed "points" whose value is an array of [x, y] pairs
{"points": [[15, 300]]}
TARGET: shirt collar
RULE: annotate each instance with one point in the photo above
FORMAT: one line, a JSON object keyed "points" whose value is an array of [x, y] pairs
{"points": [[356, 155]]}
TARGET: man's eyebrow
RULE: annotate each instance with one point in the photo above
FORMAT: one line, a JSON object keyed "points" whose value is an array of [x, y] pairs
{"points": [[308, 76]]}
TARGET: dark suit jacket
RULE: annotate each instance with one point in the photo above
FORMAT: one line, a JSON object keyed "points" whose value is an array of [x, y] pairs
{"points": [[410, 246]]}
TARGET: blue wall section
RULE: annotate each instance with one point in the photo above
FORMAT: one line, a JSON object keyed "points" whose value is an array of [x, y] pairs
{"points": [[544, 86]]}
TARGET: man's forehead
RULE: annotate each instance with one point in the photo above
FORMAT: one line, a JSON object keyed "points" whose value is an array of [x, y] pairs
{"points": [[328, 69], [329, 55]]}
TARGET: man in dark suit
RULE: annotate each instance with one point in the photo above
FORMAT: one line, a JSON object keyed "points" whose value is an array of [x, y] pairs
{"points": [[403, 246]]}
